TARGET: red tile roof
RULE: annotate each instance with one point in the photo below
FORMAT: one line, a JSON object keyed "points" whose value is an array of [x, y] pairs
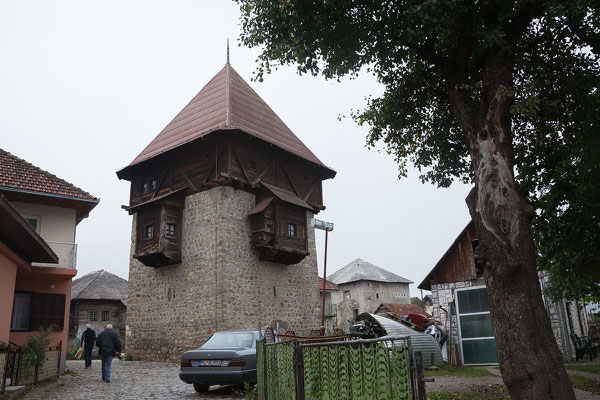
{"points": [[328, 285], [227, 102], [16, 173], [401, 310]]}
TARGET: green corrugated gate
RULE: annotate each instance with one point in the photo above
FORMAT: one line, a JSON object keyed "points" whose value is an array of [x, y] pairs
{"points": [[336, 370]]}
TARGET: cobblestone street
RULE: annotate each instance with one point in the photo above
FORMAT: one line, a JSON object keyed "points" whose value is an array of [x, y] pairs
{"points": [[129, 380]]}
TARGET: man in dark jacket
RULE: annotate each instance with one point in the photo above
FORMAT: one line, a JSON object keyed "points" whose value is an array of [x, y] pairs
{"points": [[88, 337], [109, 344]]}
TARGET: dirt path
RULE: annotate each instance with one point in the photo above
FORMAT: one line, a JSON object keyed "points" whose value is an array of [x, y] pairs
{"points": [[482, 384]]}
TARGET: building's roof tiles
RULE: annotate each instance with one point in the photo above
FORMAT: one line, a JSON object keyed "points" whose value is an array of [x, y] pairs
{"points": [[360, 270], [328, 285], [401, 310], [99, 285], [226, 102], [16, 173]]}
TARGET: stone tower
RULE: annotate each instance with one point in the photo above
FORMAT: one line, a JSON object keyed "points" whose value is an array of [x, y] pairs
{"points": [[221, 202]]}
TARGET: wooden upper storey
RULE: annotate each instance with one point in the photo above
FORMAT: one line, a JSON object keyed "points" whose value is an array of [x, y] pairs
{"points": [[458, 263], [226, 158]]}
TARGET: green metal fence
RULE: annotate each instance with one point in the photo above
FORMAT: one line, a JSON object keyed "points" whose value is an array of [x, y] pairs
{"points": [[357, 369]]}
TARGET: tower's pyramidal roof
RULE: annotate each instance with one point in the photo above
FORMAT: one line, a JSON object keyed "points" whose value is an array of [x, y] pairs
{"points": [[227, 102]]}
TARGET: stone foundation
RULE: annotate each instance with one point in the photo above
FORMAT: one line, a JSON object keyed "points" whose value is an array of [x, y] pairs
{"points": [[219, 285]]}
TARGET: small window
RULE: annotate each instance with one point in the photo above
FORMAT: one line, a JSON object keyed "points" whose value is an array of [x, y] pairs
{"points": [[171, 230], [145, 187], [377, 295], [93, 316], [105, 315], [149, 231], [252, 164], [153, 184], [33, 222], [269, 226], [292, 231], [20, 312]]}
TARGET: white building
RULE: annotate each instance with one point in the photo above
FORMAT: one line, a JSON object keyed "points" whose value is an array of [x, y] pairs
{"points": [[363, 287]]}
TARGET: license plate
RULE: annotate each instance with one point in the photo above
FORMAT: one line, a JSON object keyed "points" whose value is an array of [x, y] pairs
{"points": [[209, 363]]}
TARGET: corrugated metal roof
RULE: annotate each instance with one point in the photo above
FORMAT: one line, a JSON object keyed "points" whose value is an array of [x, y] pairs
{"points": [[99, 285], [16, 173], [426, 344], [360, 270], [227, 102]]}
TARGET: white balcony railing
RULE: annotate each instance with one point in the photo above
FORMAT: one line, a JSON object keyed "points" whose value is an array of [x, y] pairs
{"points": [[66, 252]]}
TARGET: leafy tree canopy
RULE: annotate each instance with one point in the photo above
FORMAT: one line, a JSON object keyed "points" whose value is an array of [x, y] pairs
{"points": [[423, 49]]}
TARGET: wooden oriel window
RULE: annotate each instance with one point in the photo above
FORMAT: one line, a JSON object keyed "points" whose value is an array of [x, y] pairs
{"points": [[153, 185], [171, 230], [93, 316], [145, 187], [292, 229], [149, 231]]}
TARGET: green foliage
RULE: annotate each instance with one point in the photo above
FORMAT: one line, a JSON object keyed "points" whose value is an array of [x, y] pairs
{"points": [[448, 370], [593, 368], [72, 346], [440, 63], [34, 351], [417, 301], [250, 392], [128, 357], [583, 383]]}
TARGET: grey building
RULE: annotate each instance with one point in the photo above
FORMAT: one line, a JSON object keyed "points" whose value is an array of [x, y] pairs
{"points": [[98, 298], [363, 287]]}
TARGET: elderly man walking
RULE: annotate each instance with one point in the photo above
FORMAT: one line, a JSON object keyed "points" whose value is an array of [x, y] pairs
{"points": [[88, 337], [109, 344]]}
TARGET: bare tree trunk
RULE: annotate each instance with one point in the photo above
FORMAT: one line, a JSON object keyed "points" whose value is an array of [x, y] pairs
{"points": [[529, 357]]}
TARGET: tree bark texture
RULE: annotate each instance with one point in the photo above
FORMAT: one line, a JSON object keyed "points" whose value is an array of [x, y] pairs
{"points": [[528, 354]]}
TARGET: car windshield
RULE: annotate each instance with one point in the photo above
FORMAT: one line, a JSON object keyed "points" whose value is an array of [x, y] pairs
{"points": [[229, 340]]}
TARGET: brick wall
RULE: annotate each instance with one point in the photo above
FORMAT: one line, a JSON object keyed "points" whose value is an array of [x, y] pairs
{"points": [[219, 285]]}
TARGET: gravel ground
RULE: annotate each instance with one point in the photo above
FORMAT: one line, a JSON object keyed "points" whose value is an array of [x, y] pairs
{"points": [[129, 380], [134, 380]]}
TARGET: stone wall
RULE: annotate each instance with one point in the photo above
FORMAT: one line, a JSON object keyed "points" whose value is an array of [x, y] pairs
{"points": [[219, 285], [366, 296]]}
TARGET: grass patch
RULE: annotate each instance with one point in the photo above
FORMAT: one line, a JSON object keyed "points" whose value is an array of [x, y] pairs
{"points": [[448, 370], [490, 393], [593, 368], [583, 383]]}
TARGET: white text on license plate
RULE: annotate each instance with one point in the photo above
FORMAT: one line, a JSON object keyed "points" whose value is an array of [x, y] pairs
{"points": [[209, 363]]}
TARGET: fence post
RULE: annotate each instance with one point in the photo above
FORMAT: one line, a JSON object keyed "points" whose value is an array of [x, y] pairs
{"points": [[299, 370], [59, 355], [266, 378], [422, 394]]}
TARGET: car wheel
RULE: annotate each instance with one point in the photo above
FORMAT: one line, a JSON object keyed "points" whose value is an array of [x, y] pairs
{"points": [[201, 388]]}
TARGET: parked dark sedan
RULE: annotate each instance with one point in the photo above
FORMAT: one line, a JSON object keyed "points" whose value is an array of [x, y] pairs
{"points": [[227, 357]]}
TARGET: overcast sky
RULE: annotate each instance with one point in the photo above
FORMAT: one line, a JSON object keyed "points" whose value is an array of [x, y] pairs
{"points": [[85, 86]]}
